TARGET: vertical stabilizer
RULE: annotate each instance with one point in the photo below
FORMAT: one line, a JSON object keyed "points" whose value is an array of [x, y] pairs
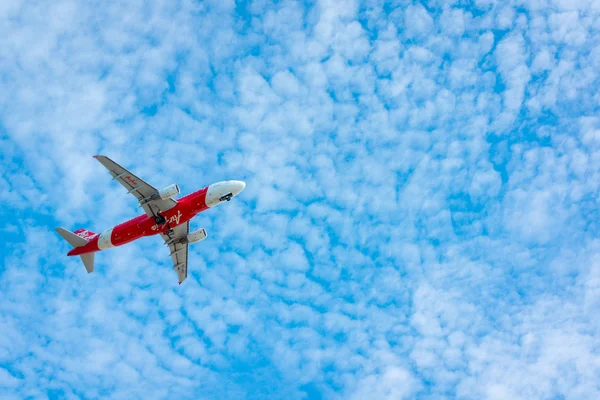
{"points": [[88, 261], [85, 234]]}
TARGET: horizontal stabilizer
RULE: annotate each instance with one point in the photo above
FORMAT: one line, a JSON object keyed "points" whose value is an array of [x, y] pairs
{"points": [[88, 261], [71, 238]]}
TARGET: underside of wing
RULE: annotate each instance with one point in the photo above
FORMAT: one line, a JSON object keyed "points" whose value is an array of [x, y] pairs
{"points": [[152, 208], [179, 249], [144, 192]]}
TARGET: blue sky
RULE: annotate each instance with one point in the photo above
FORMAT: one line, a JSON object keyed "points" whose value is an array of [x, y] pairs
{"points": [[420, 218]]}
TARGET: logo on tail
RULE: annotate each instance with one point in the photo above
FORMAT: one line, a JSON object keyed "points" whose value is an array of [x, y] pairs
{"points": [[85, 234]]}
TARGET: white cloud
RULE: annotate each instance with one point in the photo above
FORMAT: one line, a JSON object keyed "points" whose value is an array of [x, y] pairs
{"points": [[567, 28], [511, 57], [392, 383], [417, 21]]}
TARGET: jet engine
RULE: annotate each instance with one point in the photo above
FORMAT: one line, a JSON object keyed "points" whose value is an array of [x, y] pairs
{"points": [[196, 236], [168, 192]]}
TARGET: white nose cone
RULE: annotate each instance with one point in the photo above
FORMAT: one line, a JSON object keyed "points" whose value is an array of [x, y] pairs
{"points": [[223, 191], [236, 186]]}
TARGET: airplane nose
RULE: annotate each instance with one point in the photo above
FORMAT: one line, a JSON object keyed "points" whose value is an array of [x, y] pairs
{"points": [[236, 187], [223, 191]]}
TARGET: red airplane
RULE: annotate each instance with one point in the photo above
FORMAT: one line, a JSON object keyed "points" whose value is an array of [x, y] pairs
{"points": [[165, 216]]}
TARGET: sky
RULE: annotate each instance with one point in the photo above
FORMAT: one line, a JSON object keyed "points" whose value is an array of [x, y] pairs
{"points": [[420, 218]]}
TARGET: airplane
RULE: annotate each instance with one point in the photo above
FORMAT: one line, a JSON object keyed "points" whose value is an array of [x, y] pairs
{"points": [[164, 215]]}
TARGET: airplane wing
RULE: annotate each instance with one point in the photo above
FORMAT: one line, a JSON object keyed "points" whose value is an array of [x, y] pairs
{"points": [[179, 251], [138, 187]]}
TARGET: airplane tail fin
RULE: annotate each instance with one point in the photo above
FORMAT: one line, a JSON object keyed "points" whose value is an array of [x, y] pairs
{"points": [[76, 240], [84, 233]]}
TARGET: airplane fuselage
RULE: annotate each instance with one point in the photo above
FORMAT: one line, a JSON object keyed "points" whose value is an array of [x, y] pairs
{"points": [[186, 208]]}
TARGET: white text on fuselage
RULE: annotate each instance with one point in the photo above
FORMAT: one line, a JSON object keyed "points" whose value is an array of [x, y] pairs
{"points": [[173, 219]]}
